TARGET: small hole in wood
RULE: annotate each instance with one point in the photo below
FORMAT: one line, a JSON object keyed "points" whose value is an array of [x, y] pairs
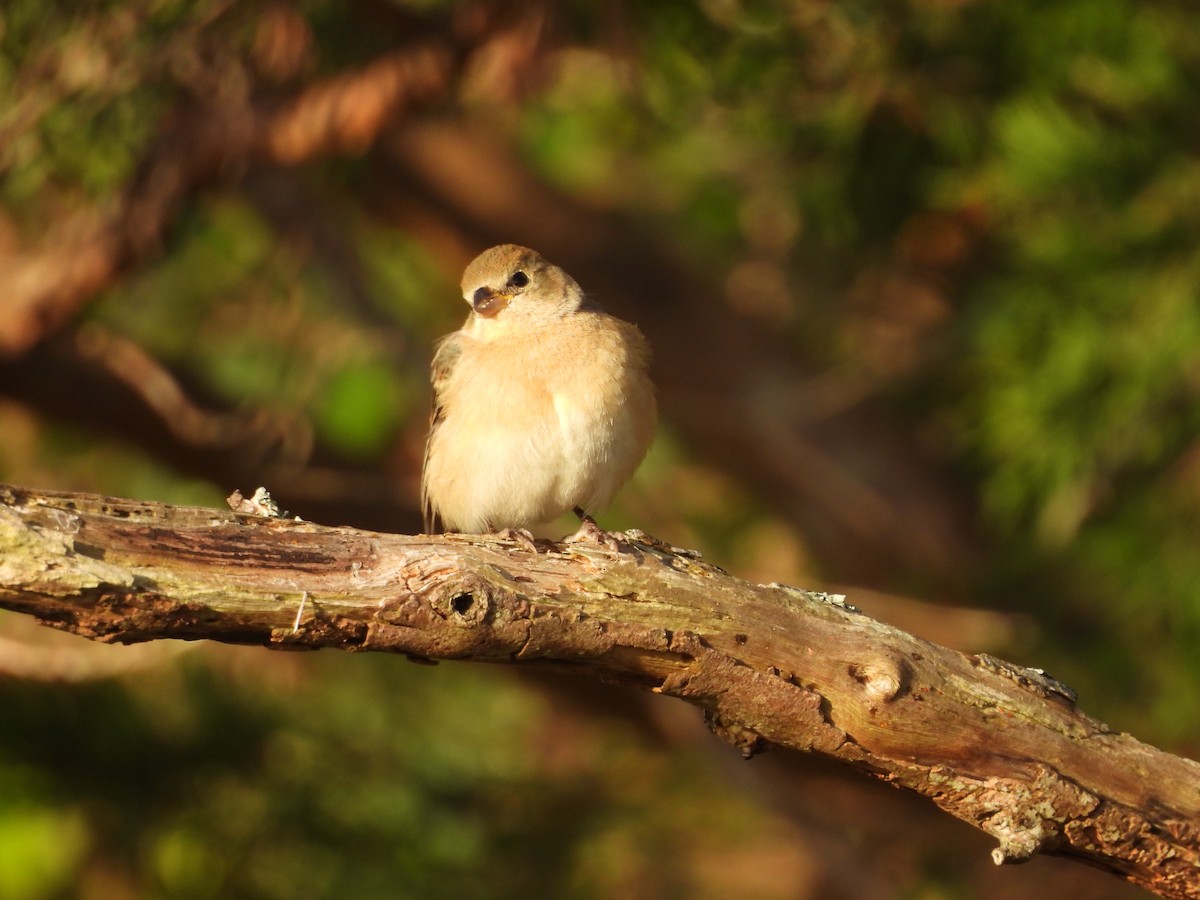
{"points": [[462, 603]]}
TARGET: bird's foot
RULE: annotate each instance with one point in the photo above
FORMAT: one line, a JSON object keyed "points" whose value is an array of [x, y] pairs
{"points": [[520, 536], [591, 533]]}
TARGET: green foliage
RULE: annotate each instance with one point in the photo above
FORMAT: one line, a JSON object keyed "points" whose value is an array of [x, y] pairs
{"points": [[81, 87], [40, 846], [337, 776], [359, 410]]}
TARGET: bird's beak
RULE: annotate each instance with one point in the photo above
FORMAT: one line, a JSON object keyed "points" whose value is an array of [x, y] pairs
{"points": [[487, 302]]}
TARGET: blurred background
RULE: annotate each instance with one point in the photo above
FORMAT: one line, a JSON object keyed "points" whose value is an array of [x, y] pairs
{"points": [[922, 280]]}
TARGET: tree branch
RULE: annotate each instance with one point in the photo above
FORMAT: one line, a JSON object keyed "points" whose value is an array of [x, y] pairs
{"points": [[999, 746]]}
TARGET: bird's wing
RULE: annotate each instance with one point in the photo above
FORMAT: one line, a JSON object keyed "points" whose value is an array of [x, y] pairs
{"points": [[448, 351]]}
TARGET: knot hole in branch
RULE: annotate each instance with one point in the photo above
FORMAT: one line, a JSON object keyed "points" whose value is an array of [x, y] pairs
{"points": [[466, 602]]}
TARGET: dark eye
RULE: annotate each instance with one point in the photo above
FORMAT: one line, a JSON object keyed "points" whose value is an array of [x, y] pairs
{"points": [[519, 279]]}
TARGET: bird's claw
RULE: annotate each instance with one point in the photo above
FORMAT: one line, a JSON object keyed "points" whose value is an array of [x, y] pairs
{"points": [[591, 533], [520, 536]]}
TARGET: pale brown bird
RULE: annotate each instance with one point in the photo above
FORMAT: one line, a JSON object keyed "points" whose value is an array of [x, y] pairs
{"points": [[542, 402]]}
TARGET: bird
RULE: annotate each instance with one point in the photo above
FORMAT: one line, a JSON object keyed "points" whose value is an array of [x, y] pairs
{"points": [[542, 403]]}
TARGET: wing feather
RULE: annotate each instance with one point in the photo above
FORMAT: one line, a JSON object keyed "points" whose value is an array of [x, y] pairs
{"points": [[445, 357]]}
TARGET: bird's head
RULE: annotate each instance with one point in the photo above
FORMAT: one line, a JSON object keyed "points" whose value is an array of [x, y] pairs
{"points": [[511, 285]]}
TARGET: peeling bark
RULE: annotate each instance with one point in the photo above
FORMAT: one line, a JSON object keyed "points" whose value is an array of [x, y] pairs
{"points": [[999, 746]]}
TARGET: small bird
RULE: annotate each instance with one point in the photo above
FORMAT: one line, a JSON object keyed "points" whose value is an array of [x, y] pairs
{"points": [[542, 402]]}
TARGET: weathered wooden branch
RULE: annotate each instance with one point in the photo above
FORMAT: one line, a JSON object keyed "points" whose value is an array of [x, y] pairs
{"points": [[999, 746]]}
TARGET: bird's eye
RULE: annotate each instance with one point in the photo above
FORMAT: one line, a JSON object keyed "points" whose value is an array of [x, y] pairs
{"points": [[519, 279]]}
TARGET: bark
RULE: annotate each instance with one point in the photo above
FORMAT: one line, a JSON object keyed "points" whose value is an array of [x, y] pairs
{"points": [[999, 746]]}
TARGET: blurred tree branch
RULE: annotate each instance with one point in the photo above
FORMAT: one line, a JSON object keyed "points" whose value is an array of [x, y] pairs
{"points": [[219, 136], [1001, 747]]}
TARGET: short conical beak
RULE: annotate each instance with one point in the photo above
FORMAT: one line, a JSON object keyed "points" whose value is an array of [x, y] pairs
{"points": [[487, 302]]}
